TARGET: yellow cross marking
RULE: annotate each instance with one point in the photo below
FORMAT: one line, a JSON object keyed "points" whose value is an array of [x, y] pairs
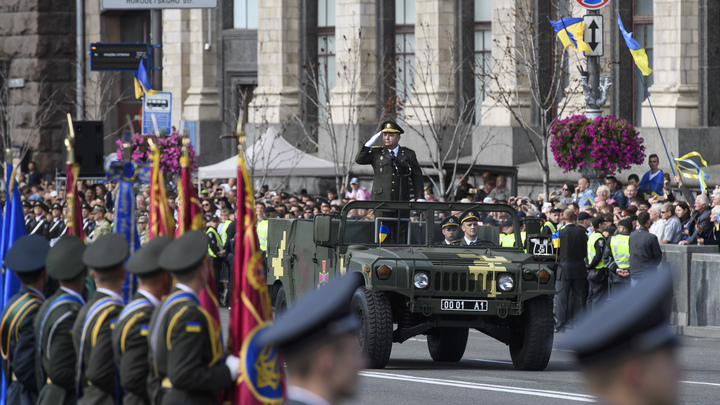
{"points": [[277, 261]]}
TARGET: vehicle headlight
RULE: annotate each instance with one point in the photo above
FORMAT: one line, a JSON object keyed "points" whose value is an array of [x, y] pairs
{"points": [[421, 280], [506, 282]]}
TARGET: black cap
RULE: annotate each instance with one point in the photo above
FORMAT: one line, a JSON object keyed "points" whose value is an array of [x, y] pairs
{"points": [[449, 221], [521, 214], [185, 253], [508, 222], [597, 221], [316, 318], [469, 216], [57, 206], [391, 126], [86, 206], [65, 259], [583, 216], [27, 254], [284, 195], [637, 321], [26, 204], [145, 260], [414, 213], [627, 224], [555, 209], [98, 209], [41, 205], [107, 252], [269, 210]]}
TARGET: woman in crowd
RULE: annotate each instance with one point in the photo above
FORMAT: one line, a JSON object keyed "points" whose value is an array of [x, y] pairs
{"points": [[683, 213]]}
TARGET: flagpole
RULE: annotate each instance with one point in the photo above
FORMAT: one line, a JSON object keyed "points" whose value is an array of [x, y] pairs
{"points": [[647, 96]]}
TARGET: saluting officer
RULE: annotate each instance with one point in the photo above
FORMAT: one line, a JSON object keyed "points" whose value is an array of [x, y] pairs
{"points": [[396, 167], [192, 372], [56, 357], [26, 258], [41, 225], [130, 336], [92, 333], [451, 230]]}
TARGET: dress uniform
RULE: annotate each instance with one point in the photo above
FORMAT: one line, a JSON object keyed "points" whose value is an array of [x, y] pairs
{"points": [[41, 225], [395, 170], [29, 214], [451, 230], [88, 223], [130, 336], [597, 275], [186, 351], [469, 222], [102, 227], [626, 349], [321, 323], [26, 258], [572, 274], [57, 225], [92, 333], [55, 356]]}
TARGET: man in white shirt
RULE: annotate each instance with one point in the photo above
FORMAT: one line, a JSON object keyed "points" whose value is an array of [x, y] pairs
{"points": [[658, 223]]}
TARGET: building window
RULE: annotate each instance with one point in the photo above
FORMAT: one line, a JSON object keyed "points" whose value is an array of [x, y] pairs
{"points": [[482, 49], [327, 73], [643, 33], [245, 14], [404, 49]]}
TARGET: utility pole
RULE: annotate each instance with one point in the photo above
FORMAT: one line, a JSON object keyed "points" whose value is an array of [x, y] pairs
{"points": [[595, 87], [156, 43]]}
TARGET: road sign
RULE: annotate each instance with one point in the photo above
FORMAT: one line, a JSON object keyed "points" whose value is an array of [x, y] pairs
{"points": [[160, 106], [156, 4], [594, 35], [588, 4], [117, 57]]}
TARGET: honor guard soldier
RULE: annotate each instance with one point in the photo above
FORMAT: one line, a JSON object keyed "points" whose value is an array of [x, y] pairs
{"points": [[41, 225], [130, 336], [92, 333], [26, 258], [186, 351], [55, 355], [57, 226], [627, 350], [396, 167], [102, 226], [88, 224], [451, 230], [318, 340], [29, 214]]}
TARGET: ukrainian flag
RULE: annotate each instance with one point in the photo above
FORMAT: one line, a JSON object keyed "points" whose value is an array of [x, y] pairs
{"points": [[384, 232], [592, 200], [556, 239], [571, 31], [637, 51], [142, 81]]}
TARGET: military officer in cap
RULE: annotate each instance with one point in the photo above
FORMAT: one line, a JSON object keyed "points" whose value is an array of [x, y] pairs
{"points": [[92, 333], [26, 258], [627, 350], [130, 336], [318, 340], [451, 231], [28, 212], [396, 167], [470, 225], [57, 225], [102, 226], [192, 372], [143, 230], [41, 225], [56, 357], [88, 223]]}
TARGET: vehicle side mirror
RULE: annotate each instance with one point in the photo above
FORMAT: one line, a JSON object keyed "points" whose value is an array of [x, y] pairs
{"points": [[321, 229]]}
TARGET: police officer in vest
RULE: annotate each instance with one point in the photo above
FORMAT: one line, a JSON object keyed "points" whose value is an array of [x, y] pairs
{"points": [[56, 356], [617, 258], [92, 332], [551, 225], [193, 371], [597, 272], [450, 230], [26, 258], [507, 237], [130, 336], [215, 249]]}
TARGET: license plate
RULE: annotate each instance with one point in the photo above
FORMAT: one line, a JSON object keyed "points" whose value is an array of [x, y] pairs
{"points": [[464, 305]]}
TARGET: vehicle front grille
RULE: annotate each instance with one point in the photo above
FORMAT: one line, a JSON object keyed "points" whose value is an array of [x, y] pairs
{"points": [[462, 281]]}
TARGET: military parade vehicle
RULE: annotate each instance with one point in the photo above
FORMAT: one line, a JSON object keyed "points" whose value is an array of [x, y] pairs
{"points": [[416, 284]]}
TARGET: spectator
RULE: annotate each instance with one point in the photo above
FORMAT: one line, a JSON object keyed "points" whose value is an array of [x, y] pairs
{"points": [[658, 223], [700, 224], [645, 253], [634, 180], [429, 196], [463, 188], [357, 192], [673, 227], [567, 193], [652, 181], [33, 177], [682, 211], [616, 193], [713, 237], [500, 190], [585, 192], [716, 197], [630, 193]]}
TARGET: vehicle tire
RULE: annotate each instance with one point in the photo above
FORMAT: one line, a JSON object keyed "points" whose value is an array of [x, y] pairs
{"points": [[531, 351], [280, 302], [376, 326], [447, 344]]}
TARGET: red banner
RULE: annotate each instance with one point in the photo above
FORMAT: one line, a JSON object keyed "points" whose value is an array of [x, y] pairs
{"points": [[74, 219], [160, 221]]}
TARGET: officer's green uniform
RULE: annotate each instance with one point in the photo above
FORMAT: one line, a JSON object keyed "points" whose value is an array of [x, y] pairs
{"points": [[17, 336], [392, 173], [94, 325], [55, 358], [449, 222], [102, 227], [145, 234], [130, 336], [185, 347]]}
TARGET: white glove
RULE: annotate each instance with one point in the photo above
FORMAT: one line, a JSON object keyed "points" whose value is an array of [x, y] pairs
{"points": [[373, 139], [420, 200], [233, 364]]}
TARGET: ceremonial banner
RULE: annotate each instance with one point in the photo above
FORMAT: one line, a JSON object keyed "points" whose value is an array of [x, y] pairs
{"points": [[160, 221], [189, 213], [74, 219], [262, 377]]}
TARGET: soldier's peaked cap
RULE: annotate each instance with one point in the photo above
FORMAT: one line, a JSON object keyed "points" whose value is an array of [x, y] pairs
{"points": [[107, 252], [469, 216], [316, 318], [145, 260], [185, 253], [64, 260], [449, 221], [637, 321], [27, 254], [391, 126]]}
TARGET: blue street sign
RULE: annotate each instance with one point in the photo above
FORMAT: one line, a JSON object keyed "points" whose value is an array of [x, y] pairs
{"points": [[593, 4], [160, 106]]}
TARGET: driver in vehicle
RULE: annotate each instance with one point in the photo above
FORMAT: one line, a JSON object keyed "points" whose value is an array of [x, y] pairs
{"points": [[470, 226], [451, 231]]}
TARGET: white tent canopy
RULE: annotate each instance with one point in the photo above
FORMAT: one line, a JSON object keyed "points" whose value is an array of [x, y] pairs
{"points": [[271, 156]]}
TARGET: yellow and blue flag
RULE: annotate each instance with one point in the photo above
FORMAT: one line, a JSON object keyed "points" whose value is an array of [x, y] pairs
{"points": [[691, 170], [570, 31], [592, 200], [142, 81], [637, 51], [556, 239], [384, 232]]}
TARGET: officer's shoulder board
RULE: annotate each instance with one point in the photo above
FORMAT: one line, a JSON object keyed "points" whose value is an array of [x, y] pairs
{"points": [[377, 147]]}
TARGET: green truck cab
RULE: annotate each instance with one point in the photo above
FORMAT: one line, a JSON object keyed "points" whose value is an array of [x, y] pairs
{"points": [[416, 284]]}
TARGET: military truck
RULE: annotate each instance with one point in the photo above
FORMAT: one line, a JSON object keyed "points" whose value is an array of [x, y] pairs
{"points": [[416, 284]]}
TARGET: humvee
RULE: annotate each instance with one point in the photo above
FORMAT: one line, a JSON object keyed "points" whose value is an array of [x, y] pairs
{"points": [[416, 284]]}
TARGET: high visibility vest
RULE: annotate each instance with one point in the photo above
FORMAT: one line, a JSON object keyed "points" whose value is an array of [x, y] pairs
{"points": [[262, 231], [591, 249], [620, 246], [222, 230], [550, 225], [523, 238], [216, 235], [507, 239]]}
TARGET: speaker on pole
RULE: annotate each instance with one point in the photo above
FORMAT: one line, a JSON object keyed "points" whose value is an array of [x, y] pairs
{"points": [[88, 147]]}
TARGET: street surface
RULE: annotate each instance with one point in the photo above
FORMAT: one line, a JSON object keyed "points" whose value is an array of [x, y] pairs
{"points": [[486, 376]]}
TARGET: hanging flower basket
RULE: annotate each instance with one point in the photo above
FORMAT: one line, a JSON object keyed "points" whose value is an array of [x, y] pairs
{"points": [[170, 151], [608, 144]]}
